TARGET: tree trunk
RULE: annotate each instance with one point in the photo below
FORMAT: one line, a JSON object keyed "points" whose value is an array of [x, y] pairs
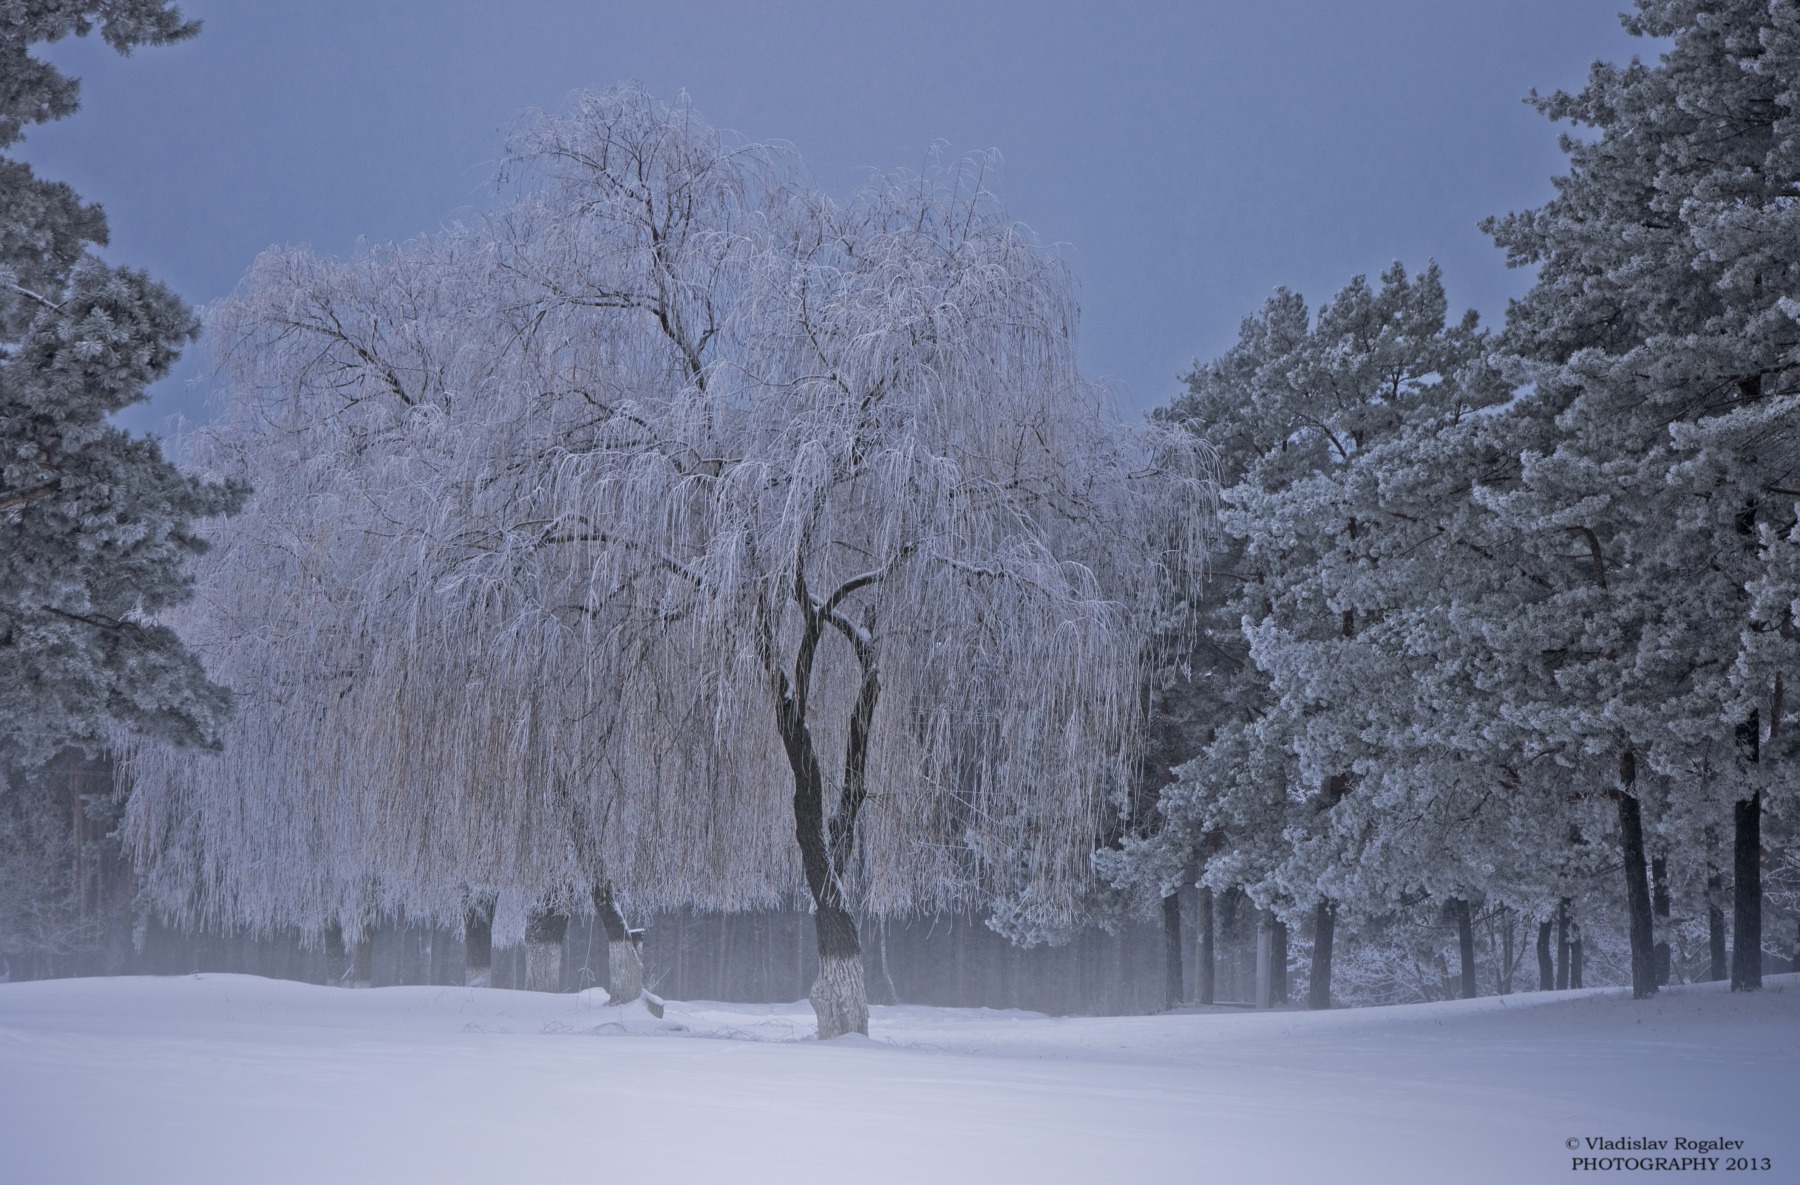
{"points": [[545, 927], [1746, 895], [1562, 945], [1465, 945], [1659, 906], [1173, 995], [1637, 883], [337, 965], [1205, 968], [1546, 964], [839, 997], [478, 941], [1265, 960], [1278, 961], [887, 971], [362, 970], [1716, 964], [1318, 988], [1575, 954], [624, 958], [1503, 979]]}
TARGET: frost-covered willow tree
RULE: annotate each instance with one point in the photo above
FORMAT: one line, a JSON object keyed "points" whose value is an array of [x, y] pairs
{"points": [[697, 534], [1658, 447]]}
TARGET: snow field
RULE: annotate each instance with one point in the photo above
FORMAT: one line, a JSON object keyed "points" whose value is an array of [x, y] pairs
{"points": [[240, 1080]]}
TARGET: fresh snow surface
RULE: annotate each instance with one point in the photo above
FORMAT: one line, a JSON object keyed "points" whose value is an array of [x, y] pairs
{"points": [[248, 1081]]}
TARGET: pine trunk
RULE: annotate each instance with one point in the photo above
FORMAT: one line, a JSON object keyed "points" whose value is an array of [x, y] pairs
{"points": [[1173, 994], [1503, 980], [1562, 944], [1205, 968], [1265, 946], [1575, 955], [1746, 895], [1278, 961], [1465, 945], [1659, 905], [1546, 964], [1637, 885], [478, 942], [545, 928], [1318, 988], [1717, 967]]}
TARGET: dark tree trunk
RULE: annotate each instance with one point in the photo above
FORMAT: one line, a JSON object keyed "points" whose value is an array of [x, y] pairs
{"points": [[839, 996], [1265, 959], [1503, 980], [1465, 945], [1562, 944], [545, 928], [1746, 895], [478, 941], [1637, 883], [1575, 954], [1205, 968], [1659, 905], [1318, 988], [1746, 869], [1278, 965], [624, 959], [1546, 964], [1716, 966], [1173, 995]]}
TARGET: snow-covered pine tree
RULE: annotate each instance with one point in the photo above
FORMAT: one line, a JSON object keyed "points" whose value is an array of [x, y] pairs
{"points": [[1659, 442], [95, 526], [1304, 602]]}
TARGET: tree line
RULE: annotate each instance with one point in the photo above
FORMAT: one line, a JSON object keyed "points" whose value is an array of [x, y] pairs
{"points": [[1496, 614], [679, 537]]}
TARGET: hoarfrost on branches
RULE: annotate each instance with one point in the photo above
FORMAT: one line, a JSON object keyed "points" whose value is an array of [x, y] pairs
{"points": [[682, 530]]}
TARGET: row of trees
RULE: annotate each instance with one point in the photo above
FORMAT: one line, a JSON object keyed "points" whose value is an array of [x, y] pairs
{"points": [[679, 537], [1494, 613]]}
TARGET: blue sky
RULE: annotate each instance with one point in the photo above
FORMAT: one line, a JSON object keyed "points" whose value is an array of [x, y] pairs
{"points": [[1191, 156]]}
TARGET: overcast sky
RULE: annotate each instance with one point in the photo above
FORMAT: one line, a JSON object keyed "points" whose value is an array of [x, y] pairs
{"points": [[1191, 156]]}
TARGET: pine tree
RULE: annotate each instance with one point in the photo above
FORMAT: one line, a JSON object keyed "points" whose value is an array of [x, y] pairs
{"points": [[1310, 590], [95, 525], [1659, 442]]}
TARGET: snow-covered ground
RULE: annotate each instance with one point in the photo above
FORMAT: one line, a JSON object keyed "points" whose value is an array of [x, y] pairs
{"points": [[230, 1078]]}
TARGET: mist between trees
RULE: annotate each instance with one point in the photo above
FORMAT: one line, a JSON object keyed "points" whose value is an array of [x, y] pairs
{"points": [[678, 545]]}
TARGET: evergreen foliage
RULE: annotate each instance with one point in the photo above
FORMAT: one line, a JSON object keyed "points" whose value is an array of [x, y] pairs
{"points": [[95, 526], [1531, 598]]}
